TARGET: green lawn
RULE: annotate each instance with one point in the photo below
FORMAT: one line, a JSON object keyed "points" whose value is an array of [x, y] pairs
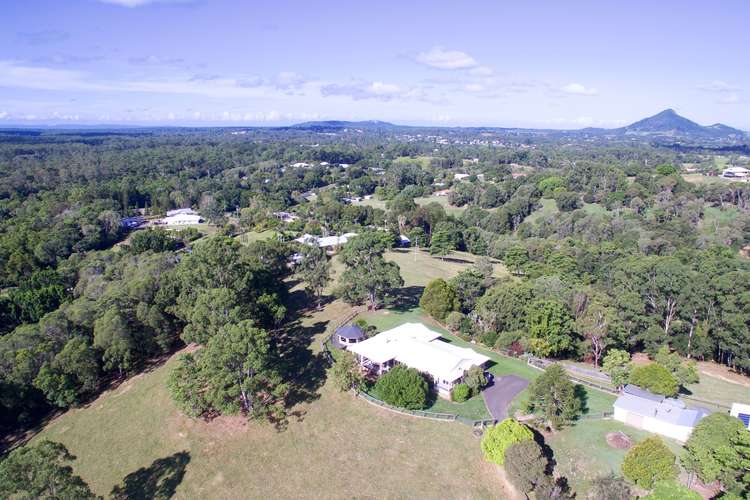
{"points": [[442, 201], [582, 452], [721, 391], [547, 209], [336, 446], [253, 236], [421, 268]]}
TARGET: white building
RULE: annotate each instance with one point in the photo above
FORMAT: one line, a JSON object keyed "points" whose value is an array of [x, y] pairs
{"points": [[460, 177], [325, 241], [735, 173], [741, 411], [655, 413], [181, 211], [182, 220], [416, 346]]}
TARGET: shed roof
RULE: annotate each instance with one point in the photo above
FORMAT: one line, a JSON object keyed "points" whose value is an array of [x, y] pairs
{"points": [[350, 332]]}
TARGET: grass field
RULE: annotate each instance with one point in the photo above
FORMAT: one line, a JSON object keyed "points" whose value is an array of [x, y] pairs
{"points": [[442, 201], [336, 446], [252, 236], [720, 391], [547, 209]]}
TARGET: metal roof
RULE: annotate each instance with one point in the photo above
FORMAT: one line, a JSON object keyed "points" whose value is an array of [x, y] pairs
{"points": [[350, 332]]}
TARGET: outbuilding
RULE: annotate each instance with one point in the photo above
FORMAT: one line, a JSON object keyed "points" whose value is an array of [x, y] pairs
{"points": [[347, 335]]}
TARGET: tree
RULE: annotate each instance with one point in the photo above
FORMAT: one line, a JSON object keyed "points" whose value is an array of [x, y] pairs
{"points": [[609, 487], [469, 286], [438, 299], [73, 372], [346, 372], [553, 396], [187, 385], [685, 373], [648, 462], [516, 257], [368, 277], [719, 449], [550, 326], [525, 464], [443, 242], [403, 387], [655, 378], [112, 335], [315, 270], [617, 366], [156, 240], [672, 490], [213, 309], [41, 470], [498, 438], [595, 323]]}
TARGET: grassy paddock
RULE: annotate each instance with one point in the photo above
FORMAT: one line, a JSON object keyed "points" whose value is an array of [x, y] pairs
{"points": [[253, 236]]}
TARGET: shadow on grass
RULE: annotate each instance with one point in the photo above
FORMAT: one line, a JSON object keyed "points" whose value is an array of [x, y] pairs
{"points": [[158, 481], [406, 299], [580, 393]]}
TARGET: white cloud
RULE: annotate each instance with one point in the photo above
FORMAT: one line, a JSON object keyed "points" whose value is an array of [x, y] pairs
{"points": [[730, 98], [3, 114], [481, 71], [446, 59], [578, 89], [719, 86], [381, 91]]}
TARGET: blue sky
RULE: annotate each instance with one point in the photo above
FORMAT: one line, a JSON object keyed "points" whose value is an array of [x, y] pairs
{"points": [[505, 63]]}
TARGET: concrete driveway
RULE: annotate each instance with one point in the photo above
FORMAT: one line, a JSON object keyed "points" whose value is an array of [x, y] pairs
{"points": [[498, 396]]}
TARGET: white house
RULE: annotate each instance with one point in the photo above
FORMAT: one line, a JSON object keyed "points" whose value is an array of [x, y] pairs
{"points": [[460, 177], [182, 220], [325, 241], [181, 211], [735, 173], [416, 346], [655, 413], [741, 411]]}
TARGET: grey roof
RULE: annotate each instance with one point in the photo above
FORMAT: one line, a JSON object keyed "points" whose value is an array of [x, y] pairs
{"points": [[647, 404], [350, 332], [642, 393]]}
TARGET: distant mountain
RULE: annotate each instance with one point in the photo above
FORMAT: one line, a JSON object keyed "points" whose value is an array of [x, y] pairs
{"points": [[337, 124], [668, 124]]}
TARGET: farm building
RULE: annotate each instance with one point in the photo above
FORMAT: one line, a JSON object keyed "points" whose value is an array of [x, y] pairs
{"points": [[416, 346], [735, 173], [741, 411], [181, 211], [655, 413], [182, 219], [328, 242]]}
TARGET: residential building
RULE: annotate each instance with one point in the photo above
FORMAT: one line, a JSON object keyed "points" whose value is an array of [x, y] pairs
{"points": [[328, 242], [416, 346], [735, 173], [656, 413], [741, 411]]}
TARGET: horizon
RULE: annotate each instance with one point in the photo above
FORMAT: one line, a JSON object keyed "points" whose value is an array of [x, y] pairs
{"points": [[201, 63]]}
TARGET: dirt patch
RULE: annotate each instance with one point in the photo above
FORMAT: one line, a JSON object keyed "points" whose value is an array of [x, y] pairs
{"points": [[619, 440], [723, 372]]}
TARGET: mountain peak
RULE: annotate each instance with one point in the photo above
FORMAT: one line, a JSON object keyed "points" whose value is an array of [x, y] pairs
{"points": [[670, 124]]}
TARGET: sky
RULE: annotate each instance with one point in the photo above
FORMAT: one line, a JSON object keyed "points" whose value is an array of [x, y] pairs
{"points": [[540, 64]]}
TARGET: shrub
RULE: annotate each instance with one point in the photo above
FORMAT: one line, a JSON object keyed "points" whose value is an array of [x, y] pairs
{"points": [[488, 338], [499, 438], [438, 299], [525, 465], [403, 387], [610, 487], [655, 378], [648, 462], [460, 393], [454, 320], [672, 490], [475, 379], [616, 364]]}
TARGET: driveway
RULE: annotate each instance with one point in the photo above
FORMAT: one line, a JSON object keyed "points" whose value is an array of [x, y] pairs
{"points": [[498, 396]]}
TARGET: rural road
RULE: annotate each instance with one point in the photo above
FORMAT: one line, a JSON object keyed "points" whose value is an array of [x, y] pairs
{"points": [[498, 396]]}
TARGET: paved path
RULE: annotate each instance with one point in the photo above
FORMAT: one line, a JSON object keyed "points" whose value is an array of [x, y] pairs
{"points": [[498, 396]]}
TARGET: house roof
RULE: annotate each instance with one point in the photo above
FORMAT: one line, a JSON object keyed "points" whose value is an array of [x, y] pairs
{"points": [[350, 332], [416, 346], [668, 410], [325, 241]]}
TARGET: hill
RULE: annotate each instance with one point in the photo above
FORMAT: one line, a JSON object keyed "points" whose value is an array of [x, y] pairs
{"points": [[338, 124], [669, 124]]}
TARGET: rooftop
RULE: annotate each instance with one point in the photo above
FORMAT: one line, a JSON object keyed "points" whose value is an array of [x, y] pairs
{"points": [[668, 410]]}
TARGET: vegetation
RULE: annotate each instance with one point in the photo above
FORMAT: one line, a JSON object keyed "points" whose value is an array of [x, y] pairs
{"points": [[553, 397], [648, 462], [460, 393], [368, 277], [403, 387], [499, 438], [438, 299], [672, 490], [617, 366], [526, 465], [346, 372], [610, 487], [655, 378]]}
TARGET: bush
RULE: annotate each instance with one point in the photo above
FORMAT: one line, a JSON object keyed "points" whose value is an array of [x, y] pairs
{"points": [[488, 338], [655, 378], [438, 299], [648, 462], [346, 372], [672, 490], [553, 396], [460, 393], [454, 320], [499, 438], [403, 387], [610, 487], [475, 379], [526, 465]]}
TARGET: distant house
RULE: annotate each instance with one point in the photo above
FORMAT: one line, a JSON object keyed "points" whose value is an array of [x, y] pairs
{"points": [[182, 220], [328, 242], [460, 177], [656, 413], [286, 216], [416, 346], [741, 411], [442, 192], [181, 211], [735, 173]]}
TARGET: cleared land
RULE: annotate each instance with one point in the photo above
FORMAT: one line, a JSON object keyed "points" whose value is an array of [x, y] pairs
{"points": [[548, 208], [252, 236], [441, 200], [335, 447]]}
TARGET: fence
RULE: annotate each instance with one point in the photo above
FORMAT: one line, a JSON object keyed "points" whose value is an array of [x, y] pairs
{"points": [[324, 344], [542, 364], [442, 417]]}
